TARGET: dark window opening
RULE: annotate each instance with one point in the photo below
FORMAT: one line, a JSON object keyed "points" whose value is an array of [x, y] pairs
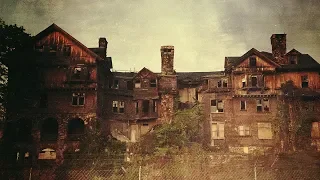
{"points": [[23, 131], [242, 105], [78, 99], [259, 105], [75, 129], [304, 81], [243, 84], [121, 107], [118, 106], [254, 81], [219, 83], [145, 106], [217, 106], [38, 47], [49, 131], [213, 103], [43, 100], [67, 50], [225, 83], [293, 60], [137, 107], [115, 106], [145, 124], [153, 83], [76, 74], [115, 84], [253, 62], [129, 85]]}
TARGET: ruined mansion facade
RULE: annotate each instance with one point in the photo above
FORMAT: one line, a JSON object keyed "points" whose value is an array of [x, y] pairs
{"points": [[75, 88]]}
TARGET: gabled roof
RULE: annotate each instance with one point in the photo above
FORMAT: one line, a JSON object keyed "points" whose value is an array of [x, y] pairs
{"points": [[145, 70], [234, 61], [293, 51], [304, 62], [54, 28]]}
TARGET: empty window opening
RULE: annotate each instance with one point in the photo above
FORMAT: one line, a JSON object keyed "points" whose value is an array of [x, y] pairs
{"points": [[225, 83], [259, 105], [253, 62], [76, 73], [137, 84], [266, 106], [244, 82], [137, 107], [243, 105], [49, 130], [78, 99], [217, 106], [254, 81], [145, 106], [75, 129], [293, 59], [304, 81], [118, 106], [219, 83], [153, 83]]}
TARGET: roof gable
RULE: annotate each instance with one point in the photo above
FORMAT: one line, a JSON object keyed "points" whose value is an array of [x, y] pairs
{"points": [[293, 52], [54, 28], [251, 52], [145, 73]]}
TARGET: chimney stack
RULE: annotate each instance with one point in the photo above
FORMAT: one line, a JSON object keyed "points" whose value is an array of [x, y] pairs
{"points": [[278, 43], [103, 43], [167, 57]]}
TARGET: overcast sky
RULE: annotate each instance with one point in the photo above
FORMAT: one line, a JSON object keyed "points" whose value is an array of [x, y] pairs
{"points": [[202, 31]]}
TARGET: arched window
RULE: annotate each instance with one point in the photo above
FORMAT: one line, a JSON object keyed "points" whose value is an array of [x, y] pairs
{"points": [[49, 130], [75, 129]]}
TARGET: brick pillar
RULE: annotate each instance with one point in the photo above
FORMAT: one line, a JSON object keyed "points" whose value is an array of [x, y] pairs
{"points": [[61, 145]]}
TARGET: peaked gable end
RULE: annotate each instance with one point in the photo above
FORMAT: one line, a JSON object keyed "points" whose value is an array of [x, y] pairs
{"points": [[54, 41]]}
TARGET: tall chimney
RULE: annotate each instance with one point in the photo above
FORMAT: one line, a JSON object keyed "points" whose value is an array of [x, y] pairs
{"points": [[103, 43], [167, 56], [278, 43]]}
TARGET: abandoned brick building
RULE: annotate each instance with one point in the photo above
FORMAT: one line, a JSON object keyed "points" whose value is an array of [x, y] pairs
{"points": [[76, 88]]}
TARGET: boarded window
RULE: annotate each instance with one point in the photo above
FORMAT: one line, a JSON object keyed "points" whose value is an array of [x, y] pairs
{"points": [[153, 83], [264, 131], [253, 62], [315, 131], [217, 106], [78, 99], [243, 105], [244, 130], [137, 84], [217, 130], [304, 81]]}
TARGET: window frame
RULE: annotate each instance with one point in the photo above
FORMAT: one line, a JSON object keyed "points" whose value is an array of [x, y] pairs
{"points": [[137, 83], [77, 96], [243, 102], [244, 130], [220, 130], [216, 102], [267, 128], [118, 107], [153, 83], [253, 61], [304, 81]]}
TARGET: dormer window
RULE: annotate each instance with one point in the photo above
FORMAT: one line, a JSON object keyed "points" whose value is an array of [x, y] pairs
{"points": [[293, 59], [253, 62]]}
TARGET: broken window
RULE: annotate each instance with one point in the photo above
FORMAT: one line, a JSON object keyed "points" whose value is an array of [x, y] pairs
{"points": [[225, 83], [121, 107], [266, 106], [67, 50], [76, 74], [244, 130], [315, 131], [254, 81], [217, 106], [217, 130], [304, 81], [154, 106], [293, 59], [137, 84], [253, 62], [78, 99], [219, 83], [153, 83], [243, 105], [145, 106], [115, 84], [259, 105], [264, 131]]}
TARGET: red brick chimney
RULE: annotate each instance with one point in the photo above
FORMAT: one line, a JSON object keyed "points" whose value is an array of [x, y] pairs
{"points": [[167, 56], [278, 43]]}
